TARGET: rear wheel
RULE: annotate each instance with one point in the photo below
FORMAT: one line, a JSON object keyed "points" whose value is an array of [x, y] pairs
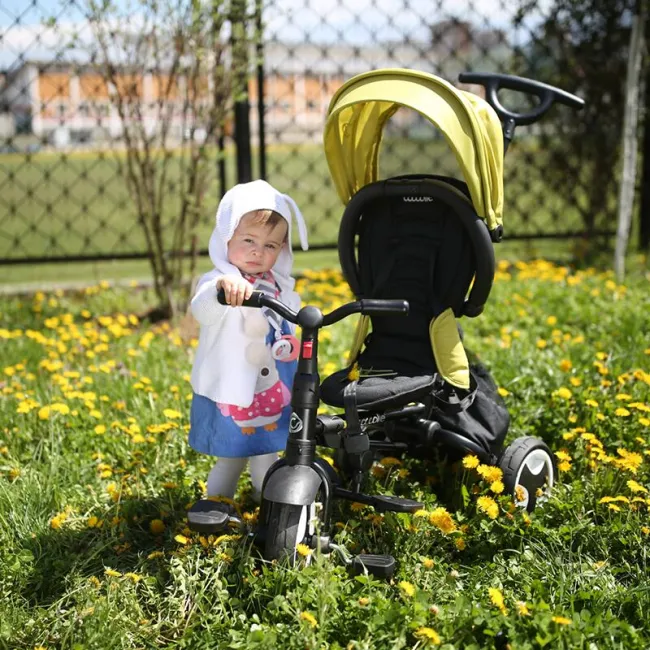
{"points": [[529, 471], [289, 525]]}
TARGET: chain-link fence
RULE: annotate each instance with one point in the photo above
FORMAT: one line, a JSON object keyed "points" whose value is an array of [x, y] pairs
{"points": [[62, 185]]}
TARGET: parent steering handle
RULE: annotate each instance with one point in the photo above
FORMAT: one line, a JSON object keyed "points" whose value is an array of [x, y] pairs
{"points": [[493, 82]]}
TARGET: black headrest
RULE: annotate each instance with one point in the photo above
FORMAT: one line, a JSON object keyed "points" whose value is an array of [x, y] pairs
{"points": [[419, 190]]}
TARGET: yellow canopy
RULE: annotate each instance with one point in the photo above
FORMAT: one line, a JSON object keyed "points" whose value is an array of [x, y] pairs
{"points": [[361, 107]]}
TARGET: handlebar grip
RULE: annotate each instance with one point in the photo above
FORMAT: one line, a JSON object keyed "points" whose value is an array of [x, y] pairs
{"points": [[493, 82], [253, 301], [377, 306]]}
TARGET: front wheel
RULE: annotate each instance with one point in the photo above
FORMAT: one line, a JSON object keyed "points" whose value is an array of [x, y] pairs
{"points": [[529, 471], [289, 525]]}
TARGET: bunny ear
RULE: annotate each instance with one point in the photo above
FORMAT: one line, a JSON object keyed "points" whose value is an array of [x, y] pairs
{"points": [[300, 222]]}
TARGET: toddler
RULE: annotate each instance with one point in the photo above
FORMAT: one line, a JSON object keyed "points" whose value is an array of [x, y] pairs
{"points": [[246, 357]]}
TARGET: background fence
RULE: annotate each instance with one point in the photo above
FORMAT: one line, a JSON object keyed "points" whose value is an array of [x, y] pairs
{"points": [[62, 194]]}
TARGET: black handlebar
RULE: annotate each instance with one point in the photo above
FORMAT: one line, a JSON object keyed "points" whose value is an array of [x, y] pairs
{"points": [[493, 82], [366, 306]]}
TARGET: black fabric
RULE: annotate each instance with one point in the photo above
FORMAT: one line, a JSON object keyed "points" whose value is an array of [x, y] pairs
{"points": [[485, 420], [417, 252], [377, 392]]}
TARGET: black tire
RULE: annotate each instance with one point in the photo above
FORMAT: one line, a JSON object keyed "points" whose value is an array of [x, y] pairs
{"points": [[529, 463], [284, 532]]}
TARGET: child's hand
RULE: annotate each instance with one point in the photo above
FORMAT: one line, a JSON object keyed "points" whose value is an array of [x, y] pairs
{"points": [[236, 289]]}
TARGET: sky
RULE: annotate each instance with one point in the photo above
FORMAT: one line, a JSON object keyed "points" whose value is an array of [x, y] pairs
{"points": [[361, 22]]}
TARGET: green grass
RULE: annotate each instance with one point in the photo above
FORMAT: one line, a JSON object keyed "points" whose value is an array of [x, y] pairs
{"points": [[81, 565], [78, 204]]}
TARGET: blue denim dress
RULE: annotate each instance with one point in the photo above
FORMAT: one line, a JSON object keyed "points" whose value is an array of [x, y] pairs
{"points": [[261, 428]]}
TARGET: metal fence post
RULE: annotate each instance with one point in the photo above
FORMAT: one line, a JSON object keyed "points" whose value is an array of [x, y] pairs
{"points": [[242, 129]]}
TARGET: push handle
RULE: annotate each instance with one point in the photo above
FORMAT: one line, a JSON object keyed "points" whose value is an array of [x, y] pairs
{"points": [[548, 95]]}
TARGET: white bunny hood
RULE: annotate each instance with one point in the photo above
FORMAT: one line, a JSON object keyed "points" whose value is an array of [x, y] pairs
{"points": [[238, 201]]}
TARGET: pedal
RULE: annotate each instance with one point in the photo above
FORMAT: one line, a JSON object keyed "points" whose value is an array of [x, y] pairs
{"points": [[387, 503], [380, 566], [210, 517]]}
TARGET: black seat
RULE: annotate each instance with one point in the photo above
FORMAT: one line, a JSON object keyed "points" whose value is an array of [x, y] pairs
{"points": [[418, 239], [377, 393]]}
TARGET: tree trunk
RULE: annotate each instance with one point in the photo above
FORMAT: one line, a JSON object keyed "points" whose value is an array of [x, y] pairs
{"points": [[630, 141]]}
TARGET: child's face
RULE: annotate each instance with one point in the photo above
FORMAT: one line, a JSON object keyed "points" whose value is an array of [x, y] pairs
{"points": [[254, 248]]}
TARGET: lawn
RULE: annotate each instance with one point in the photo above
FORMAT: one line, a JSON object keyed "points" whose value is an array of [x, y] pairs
{"points": [[96, 475], [77, 204]]}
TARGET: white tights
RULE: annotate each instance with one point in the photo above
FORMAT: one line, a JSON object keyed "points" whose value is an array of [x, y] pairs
{"points": [[223, 477]]}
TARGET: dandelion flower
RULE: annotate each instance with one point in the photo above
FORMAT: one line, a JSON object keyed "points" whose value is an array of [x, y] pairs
{"points": [[470, 461], [497, 487], [407, 588], [363, 601], [442, 520], [562, 620], [171, 414], [157, 526], [522, 608], [496, 598], [636, 487], [490, 473], [489, 506], [309, 618], [427, 634], [181, 539], [112, 573], [304, 550]]}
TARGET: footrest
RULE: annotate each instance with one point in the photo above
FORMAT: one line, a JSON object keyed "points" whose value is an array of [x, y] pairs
{"points": [[380, 566], [210, 517], [381, 502], [384, 502]]}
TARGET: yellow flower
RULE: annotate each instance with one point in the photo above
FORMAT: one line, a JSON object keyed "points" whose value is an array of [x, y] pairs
{"points": [[363, 601], [562, 620], [563, 393], [389, 461], [460, 543], [99, 429], [309, 617], [172, 414], [470, 462], [497, 487], [490, 473], [489, 506], [636, 487], [157, 526], [622, 412], [354, 373], [112, 572], [442, 520], [565, 365], [427, 563], [428, 635], [181, 539], [504, 392], [564, 466], [522, 608], [551, 320], [303, 550], [562, 455], [645, 530], [496, 598], [407, 588]]}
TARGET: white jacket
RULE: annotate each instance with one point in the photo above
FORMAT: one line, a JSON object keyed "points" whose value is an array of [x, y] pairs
{"points": [[221, 371]]}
